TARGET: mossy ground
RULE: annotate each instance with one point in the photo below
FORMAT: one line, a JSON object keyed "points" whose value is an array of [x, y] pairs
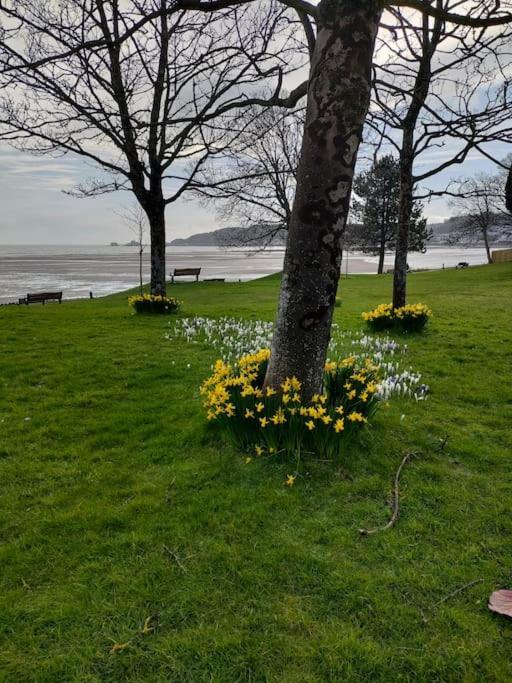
{"points": [[117, 503]]}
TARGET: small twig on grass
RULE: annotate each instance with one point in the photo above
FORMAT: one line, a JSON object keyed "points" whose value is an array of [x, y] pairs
{"points": [[396, 499], [456, 592], [175, 557]]}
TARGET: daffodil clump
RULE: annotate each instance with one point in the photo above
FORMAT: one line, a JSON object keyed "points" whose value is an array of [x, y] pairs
{"points": [[269, 420], [381, 318], [413, 317], [408, 318], [153, 303]]}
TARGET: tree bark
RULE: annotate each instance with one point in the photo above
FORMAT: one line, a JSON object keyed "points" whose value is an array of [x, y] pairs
{"points": [[382, 251], [404, 223], [156, 219], [508, 192], [338, 99]]}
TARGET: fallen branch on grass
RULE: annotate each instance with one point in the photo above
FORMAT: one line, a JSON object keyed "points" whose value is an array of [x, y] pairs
{"points": [[396, 499], [457, 591]]}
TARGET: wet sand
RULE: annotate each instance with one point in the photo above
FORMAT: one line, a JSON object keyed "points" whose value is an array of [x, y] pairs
{"points": [[78, 270]]}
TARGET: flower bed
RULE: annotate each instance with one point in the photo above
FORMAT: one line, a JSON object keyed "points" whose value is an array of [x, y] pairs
{"points": [[408, 318], [275, 419], [235, 337], [154, 303]]}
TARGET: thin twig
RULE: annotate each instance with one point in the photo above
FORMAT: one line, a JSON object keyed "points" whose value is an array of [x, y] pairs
{"points": [[396, 499], [456, 592], [175, 557]]}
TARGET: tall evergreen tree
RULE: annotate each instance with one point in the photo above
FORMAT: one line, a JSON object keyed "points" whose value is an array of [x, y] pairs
{"points": [[376, 210]]}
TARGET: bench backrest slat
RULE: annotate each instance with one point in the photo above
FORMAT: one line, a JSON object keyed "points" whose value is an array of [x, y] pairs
{"points": [[187, 271], [45, 295]]}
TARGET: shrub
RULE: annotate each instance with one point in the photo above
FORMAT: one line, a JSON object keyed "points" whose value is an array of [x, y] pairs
{"points": [[275, 419], [154, 303], [409, 318]]}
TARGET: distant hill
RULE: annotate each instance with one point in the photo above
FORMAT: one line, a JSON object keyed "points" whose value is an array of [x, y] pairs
{"points": [[257, 236], [443, 234]]}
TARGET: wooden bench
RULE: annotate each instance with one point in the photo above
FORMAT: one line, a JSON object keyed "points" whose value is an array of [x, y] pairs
{"points": [[462, 264], [179, 272], [42, 297]]}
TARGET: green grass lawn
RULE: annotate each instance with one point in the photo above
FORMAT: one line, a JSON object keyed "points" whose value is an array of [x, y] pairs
{"points": [[117, 503]]}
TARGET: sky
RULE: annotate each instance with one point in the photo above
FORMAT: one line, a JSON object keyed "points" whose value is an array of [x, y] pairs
{"points": [[36, 210]]}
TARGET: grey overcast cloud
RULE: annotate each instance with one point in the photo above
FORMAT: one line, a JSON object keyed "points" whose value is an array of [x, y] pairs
{"points": [[36, 210]]}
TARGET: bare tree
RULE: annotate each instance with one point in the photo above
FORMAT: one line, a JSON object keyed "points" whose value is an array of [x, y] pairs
{"points": [[481, 211], [140, 88], [435, 86], [137, 221], [252, 183], [341, 38]]}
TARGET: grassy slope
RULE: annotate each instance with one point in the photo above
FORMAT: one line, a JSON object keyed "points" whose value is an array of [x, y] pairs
{"points": [[276, 585]]}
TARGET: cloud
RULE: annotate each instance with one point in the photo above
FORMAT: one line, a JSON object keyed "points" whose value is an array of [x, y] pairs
{"points": [[35, 209]]}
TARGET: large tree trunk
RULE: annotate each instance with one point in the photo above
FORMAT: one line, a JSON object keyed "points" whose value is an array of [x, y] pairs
{"points": [[338, 98], [156, 218], [404, 223]]}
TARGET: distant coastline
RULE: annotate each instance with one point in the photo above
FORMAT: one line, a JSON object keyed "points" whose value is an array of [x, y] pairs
{"points": [[257, 238]]}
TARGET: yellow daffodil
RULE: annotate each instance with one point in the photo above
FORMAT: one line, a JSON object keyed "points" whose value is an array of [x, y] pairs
{"points": [[357, 417], [339, 425], [290, 480]]}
